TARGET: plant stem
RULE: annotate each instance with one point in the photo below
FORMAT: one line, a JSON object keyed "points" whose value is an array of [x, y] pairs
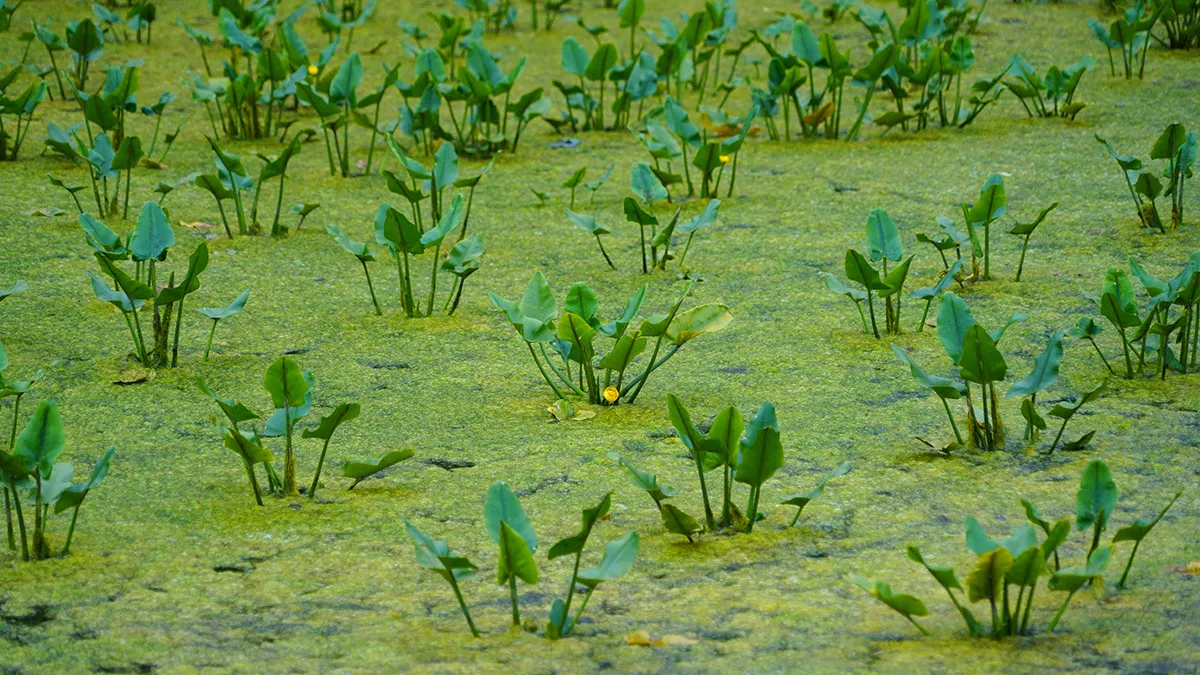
{"points": [[708, 514], [178, 323], [570, 594], [919, 626], [20, 520], [1058, 436], [1128, 565], [543, 371], [211, 332], [512, 594], [1059, 613], [433, 277], [957, 436], [462, 604], [371, 288], [752, 508], [1021, 265], [254, 483], [605, 253], [312, 490]]}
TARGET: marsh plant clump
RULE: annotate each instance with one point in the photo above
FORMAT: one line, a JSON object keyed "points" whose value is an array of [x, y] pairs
{"points": [[571, 337], [669, 161], [291, 392], [1020, 561], [513, 533]]}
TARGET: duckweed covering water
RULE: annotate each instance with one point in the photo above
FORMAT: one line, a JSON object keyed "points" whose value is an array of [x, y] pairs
{"points": [[174, 569]]}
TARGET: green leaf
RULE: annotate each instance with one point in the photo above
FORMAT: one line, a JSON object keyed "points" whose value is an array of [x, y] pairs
{"points": [[74, 495], [1142, 526], [604, 60], [992, 201], [895, 279], [1045, 369], [883, 240], [43, 438], [1027, 567], [834, 284], [582, 301], [646, 481], [693, 439], [860, 271], [726, 432], [618, 558], [954, 320], [355, 248], [802, 499], [449, 221], [977, 540], [361, 470], [981, 362], [128, 154], [645, 185], [761, 449], [1028, 228], [579, 334], [395, 231], [574, 544], [942, 386], [689, 325], [905, 605], [501, 506], [706, 218], [345, 82], [516, 557], [943, 575], [236, 412], [153, 235], [678, 522], [987, 578], [445, 167], [463, 258], [1097, 496], [233, 308], [574, 57], [1074, 578], [1169, 142], [329, 423], [437, 556], [103, 292], [586, 222], [285, 383], [627, 348], [248, 446], [576, 178]]}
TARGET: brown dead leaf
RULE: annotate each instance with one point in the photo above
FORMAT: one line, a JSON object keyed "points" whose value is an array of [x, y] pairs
{"points": [[150, 163], [674, 641]]}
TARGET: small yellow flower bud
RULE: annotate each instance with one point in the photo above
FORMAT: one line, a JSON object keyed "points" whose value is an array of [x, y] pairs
{"points": [[611, 394], [312, 70]]}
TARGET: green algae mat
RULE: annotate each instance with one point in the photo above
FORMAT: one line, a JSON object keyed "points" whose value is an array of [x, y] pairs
{"points": [[174, 567]]}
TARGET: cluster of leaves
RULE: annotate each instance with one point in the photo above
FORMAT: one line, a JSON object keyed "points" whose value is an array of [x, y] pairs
{"points": [[1180, 149], [233, 177], [463, 71], [110, 150], [18, 110], [1049, 96], [139, 17], [752, 460], [666, 132], [291, 392], [1180, 20], [929, 51], [1021, 561], [883, 244], [572, 335], [975, 352], [405, 238], [1171, 309], [689, 54], [1130, 35], [32, 476], [638, 215], [147, 246], [510, 529]]}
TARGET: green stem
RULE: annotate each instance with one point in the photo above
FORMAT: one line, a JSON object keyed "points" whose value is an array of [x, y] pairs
{"points": [[1128, 565], [371, 288], [543, 371], [1059, 613], [953, 425], [462, 604], [211, 332], [512, 594], [605, 253], [1021, 265], [1028, 607], [312, 490]]}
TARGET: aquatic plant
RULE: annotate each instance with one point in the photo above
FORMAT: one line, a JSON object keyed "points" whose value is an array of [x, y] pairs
{"points": [[32, 476], [360, 471], [19, 108], [217, 313], [1051, 96], [593, 228], [572, 337], [883, 244], [360, 251], [147, 246], [437, 557], [1021, 561], [510, 529], [1129, 34], [1170, 309]]}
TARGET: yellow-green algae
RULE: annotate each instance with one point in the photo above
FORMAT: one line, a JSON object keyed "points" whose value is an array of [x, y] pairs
{"points": [[331, 586]]}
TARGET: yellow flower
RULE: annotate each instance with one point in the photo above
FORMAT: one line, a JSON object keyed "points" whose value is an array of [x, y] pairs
{"points": [[312, 70], [611, 394], [725, 159]]}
